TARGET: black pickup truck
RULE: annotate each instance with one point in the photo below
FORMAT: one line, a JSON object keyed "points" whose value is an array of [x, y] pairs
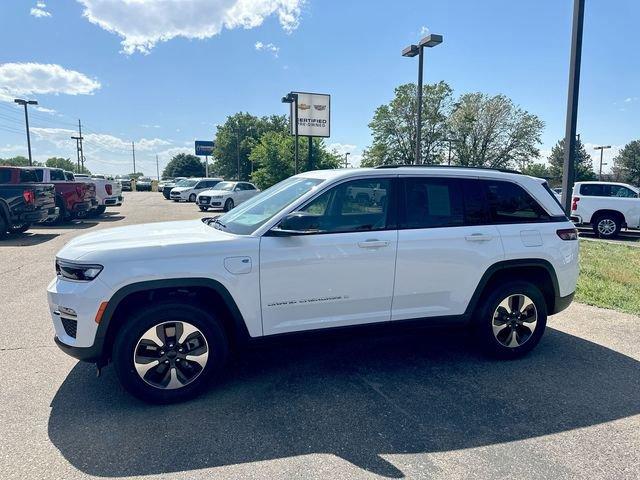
{"points": [[23, 201]]}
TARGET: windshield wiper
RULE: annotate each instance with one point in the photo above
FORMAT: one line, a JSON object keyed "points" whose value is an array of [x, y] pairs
{"points": [[214, 221]]}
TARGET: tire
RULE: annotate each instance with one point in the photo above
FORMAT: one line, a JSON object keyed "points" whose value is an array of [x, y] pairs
{"points": [[100, 210], [162, 384], [19, 228], [204, 209], [192, 198], [228, 205], [3, 227], [60, 218], [607, 225], [528, 329]]}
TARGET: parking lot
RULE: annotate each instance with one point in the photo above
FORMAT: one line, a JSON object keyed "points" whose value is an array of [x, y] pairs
{"points": [[412, 404]]}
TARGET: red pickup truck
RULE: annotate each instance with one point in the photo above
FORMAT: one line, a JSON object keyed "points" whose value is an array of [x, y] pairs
{"points": [[23, 201], [74, 199]]}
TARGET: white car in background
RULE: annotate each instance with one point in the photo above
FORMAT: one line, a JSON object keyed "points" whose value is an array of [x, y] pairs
{"points": [[108, 192], [187, 190], [226, 195]]}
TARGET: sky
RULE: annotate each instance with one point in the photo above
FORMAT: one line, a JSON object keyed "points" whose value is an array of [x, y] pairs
{"points": [[164, 73]]}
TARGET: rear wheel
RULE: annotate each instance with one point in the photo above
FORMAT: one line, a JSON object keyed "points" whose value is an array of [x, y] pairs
{"points": [[60, 217], [3, 227], [168, 353], [100, 210], [607, 225], [192, 197], [228, 205], [511, 319]]}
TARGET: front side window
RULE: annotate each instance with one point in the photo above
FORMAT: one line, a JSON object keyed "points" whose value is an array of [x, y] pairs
{"points": [[432, 202], [355, 206], [57, 175], [510, 203], [252, 214]]}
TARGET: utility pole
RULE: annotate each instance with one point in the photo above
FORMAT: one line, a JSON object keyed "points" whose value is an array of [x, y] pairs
{"points": [[133, 151], [601, 148], [77, 139], [310, 158], [81, 148], [157, 168], [24, 103], [568, 170]]}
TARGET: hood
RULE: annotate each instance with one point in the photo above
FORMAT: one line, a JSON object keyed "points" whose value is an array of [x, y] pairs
{"points": [[209, 193], [182, 189], [147, 241]]}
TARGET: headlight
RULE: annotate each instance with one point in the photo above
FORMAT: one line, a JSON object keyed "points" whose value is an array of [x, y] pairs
{"points": [[77, 271], [217, 196]]}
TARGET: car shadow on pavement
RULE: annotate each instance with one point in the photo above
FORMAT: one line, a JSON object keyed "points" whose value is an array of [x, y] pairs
{"points": [[27, 239], [358, 398], [109, 217], [69, 225]]}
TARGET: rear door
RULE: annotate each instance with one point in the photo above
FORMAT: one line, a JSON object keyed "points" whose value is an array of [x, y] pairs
{"points": [[445, 245]]}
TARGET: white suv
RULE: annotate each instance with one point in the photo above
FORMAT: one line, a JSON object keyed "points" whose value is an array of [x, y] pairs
{"points": [[166, 302], [187, 190], [226, 195], [606, 206]]}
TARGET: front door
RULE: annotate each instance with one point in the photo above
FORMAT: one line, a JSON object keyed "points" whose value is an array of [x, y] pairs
{"points": [[341, 275]]}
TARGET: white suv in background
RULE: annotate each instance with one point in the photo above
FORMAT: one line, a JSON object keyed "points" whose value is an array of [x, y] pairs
{"points": [[606, 206], [187, 190], [226, 195], [167, 302]]}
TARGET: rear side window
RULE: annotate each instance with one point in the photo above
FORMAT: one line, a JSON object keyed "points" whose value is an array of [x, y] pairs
{"points": [[510, 203], [622, 192], [432, 202], [593, 190], [39, 174], [5, 175], [28, 176]]}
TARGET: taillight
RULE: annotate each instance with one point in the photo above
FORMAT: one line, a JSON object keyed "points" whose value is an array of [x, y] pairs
{"points": [[79, 191], [108, 188], [574, 203], [29, 196], [568, 233]]}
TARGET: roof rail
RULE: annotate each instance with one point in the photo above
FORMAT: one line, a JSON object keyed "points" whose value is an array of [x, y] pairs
{"points": [[504, 170]]}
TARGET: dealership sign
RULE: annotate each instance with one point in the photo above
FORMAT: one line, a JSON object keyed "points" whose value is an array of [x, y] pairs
{"points": [[204, 148], [314, 115]]}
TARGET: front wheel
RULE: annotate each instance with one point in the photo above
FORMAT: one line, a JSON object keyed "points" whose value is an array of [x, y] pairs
{"points": [[168, 353], [607, 226], [228, 205], [511, 320], [192, 197], [203, 209]]}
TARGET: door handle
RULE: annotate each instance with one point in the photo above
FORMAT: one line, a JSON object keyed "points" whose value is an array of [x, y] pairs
{"points": [[373, 244], [478, 237]]}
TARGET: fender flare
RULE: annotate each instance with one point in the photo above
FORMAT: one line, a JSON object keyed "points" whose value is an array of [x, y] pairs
{"points": [[238, 323]]}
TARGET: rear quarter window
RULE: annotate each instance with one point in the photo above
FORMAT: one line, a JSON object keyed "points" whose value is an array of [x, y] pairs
{"points": [[28, 176], [510, 203], [5, 175]]}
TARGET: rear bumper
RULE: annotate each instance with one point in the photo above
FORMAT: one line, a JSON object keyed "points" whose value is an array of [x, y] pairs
{"points": [[35, 216]]}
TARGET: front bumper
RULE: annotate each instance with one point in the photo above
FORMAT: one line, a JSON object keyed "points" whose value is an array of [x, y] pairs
{"points": [[113, 201], [78, 335], [210, 202], [561, 303], [177, 196]]}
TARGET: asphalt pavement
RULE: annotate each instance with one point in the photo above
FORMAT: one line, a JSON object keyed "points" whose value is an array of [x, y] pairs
{"points": [[412, 404]]}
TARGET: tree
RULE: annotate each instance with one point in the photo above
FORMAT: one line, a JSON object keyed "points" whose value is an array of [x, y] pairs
{"points": [[18, 161], [626, 165], [274, 157], [184, 165], [66, 164], [539, 170], [236, 138], [583, 164], [493, 132], [394, 126], [136, 175]]}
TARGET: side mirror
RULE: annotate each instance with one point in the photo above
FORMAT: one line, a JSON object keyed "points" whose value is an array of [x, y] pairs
{"points": [[297, 223]]}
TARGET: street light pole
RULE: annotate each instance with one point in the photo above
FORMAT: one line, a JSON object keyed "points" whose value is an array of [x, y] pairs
{"points": [[601, 148], [568, 169], [346, 159], [411, 51], [24, 103]]}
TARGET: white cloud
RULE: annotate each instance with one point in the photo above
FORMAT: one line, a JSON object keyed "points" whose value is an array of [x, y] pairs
{"points": [[50, 111], [143, 23], [268, 47], [630, 99], [105, 141], [424, 31], [39, 10], [39, 78]]}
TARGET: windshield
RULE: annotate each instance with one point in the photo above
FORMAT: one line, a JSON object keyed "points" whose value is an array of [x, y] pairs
{"points": [[228, 186], [250, 215], [144, 179], [186, 183]]}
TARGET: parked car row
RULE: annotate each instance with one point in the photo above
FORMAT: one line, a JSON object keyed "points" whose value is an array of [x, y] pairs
{"points": [[208, 193], [42, 194]]}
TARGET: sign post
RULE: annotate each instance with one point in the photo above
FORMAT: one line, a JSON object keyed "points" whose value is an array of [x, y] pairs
{"points": [[310, 116], [204, 148]]}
